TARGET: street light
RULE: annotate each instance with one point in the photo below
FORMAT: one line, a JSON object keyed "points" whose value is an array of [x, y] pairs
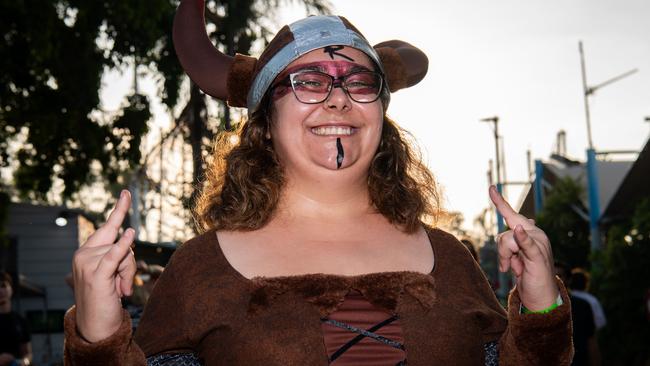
{"points": [[62, 217], [592, 172]]}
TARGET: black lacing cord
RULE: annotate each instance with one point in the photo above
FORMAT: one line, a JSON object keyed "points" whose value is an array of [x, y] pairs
{"points": [[370, 333]]}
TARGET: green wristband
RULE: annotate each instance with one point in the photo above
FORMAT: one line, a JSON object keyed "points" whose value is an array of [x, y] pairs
{"points": [[557, 303]]}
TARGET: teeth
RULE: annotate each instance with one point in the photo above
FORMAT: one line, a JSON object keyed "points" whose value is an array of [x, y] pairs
{"points": [[332, 130]]}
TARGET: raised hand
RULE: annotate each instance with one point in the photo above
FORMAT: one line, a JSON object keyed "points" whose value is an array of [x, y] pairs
{"points": [[526, 250], [103, 272]]}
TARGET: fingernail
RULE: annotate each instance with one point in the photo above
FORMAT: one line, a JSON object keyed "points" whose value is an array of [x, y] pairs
{"points": [[122, 194]]}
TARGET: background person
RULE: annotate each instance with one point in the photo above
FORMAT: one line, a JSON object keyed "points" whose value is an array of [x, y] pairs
{"points": [[584, 327], [579, 285], [15, 339]]}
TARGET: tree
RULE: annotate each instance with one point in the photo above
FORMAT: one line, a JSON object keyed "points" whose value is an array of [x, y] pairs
{"points": [[567, 231], [237, 24], [621, 281], [52, 60]]}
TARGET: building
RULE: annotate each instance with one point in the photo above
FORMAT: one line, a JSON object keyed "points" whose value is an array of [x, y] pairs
{"points": [[42, 242], [621, 184]]}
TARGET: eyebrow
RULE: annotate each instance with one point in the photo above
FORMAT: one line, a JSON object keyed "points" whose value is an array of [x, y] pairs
{"points": [[318, 67]]}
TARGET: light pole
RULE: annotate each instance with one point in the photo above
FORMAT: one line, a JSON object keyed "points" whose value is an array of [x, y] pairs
{"points": [[498, 175], [592, 172], [590, 90]]}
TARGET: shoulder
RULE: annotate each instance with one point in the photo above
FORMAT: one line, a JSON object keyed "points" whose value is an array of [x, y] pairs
{"points": [[455, 264], [446, 244], [200, 247], [578, 302], [197, 257]]}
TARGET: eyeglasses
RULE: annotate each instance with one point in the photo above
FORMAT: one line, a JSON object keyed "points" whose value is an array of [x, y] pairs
{"points": [[312, 87]]}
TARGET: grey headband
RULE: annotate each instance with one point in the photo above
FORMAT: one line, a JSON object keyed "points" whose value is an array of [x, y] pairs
{"points": [[308, 34]]}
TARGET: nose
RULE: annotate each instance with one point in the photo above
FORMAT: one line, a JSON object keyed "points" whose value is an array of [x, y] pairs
{"points": [[338, 99]]}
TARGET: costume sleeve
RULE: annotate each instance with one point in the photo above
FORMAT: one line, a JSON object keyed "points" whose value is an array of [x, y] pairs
{"points": [[118, 349], [162, 328], [520, 339], [537, 339]]}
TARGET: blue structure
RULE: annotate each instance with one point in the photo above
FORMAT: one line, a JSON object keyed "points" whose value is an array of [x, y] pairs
{"points": [[594, 200]]}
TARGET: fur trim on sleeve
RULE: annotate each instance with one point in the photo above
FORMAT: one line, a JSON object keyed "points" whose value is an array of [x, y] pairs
{"points": [[118, 349], [537, 339]]}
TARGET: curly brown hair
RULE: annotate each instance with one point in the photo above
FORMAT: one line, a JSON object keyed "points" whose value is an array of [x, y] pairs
{"points": [[244, 180]]}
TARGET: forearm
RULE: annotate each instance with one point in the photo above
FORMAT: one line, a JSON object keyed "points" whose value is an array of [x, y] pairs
{"points": [[118, 349], [537, 339]]}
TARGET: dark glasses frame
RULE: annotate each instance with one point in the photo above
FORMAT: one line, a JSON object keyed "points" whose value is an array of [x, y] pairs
{"points": [[340, 81]]}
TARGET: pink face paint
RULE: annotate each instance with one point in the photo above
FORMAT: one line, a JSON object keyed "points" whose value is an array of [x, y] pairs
{"points": [[334, 68]]}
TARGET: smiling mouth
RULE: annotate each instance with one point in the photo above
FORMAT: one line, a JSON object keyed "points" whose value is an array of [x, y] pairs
{"points": [[333, 130]]}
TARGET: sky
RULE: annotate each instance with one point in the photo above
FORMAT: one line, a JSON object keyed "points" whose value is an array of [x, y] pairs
{"points": [[514, 59], [517, 60]]}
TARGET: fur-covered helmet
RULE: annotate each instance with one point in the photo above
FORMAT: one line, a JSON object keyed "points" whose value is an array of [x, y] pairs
{"points": [[243, 80]]}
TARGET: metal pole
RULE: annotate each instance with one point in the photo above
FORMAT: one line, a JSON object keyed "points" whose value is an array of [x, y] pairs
{"points": [[594, 200], [499, 185], [504, 176], [586, 93], [500, 225], [537, 191], [135, 202], [528, 164], [160, 187]]}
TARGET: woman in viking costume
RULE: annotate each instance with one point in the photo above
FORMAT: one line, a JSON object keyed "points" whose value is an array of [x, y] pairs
{"points": [[313, 251]]}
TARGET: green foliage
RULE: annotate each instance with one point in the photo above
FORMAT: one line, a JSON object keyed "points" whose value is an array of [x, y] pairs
{"points": [[52, 58], [620, 281], [566, 230], [52, 61]]}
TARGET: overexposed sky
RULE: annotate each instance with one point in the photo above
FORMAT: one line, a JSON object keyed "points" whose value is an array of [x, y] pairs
{"points": [[518, 60]]}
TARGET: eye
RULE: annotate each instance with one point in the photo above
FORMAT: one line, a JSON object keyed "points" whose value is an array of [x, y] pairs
{"points": [[362, 81], [311, 81]]}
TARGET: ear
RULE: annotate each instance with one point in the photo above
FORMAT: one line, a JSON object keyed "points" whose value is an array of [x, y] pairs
{"points": [[239, 80], [404, 64]]}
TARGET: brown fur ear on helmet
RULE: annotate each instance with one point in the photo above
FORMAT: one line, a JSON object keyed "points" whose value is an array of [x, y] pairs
{"points": [[404, 64], [240, 78]]}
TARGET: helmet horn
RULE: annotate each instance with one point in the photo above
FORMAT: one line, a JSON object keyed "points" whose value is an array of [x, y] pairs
{"points": [[203, 62]]}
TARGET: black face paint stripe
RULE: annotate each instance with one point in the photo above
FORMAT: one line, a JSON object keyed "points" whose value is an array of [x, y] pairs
{"points": [[331, 50], [340, 155]]}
